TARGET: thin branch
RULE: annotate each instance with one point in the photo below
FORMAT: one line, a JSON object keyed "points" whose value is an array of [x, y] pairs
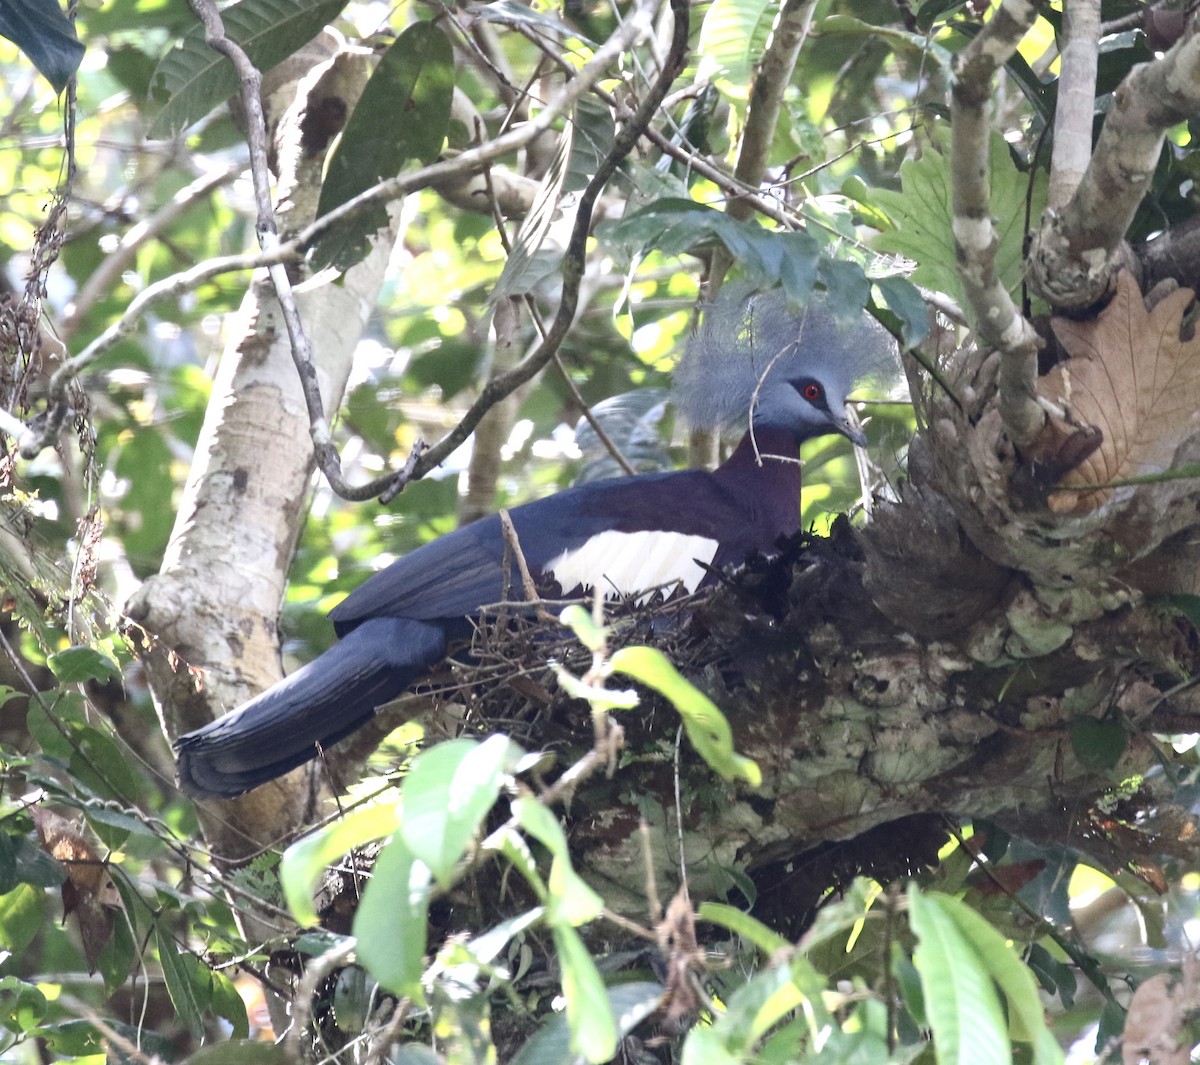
{"points": [[1076, 100], [574, 257], [1001, 326], [771, 80], [1076, 251], [115, 263]]}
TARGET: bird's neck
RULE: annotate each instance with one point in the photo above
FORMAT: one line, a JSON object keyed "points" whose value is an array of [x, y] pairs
{"points": [[765, 472]]}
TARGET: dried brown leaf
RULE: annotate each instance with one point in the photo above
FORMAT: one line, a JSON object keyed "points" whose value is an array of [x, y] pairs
{"points": [[1131, 376], [1152, 1026]]}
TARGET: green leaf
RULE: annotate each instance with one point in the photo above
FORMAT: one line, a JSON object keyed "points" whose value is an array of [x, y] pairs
{"points": [[23, 862], [674, 226], [742, 924], [630, 1004], [756, 1007], [1098, 744], [589, 1016], [390, 924], [22, 912], [228, 1005], [513, 846], [304, 862], [732, 37], [22, 1005], [403, 114], [570, 900], [178, 978], [447, 794], [1002, 964], [904, 300], [52, 729], [41, 30], [705, 725], [78, 664], [580, 621], [103, 767], [192, 79], [960, 998], [921, 215]]}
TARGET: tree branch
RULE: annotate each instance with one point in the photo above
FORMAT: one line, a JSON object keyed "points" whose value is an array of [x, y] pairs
{"points": [[574, 257], [1076, 100], [1000, 325], [771, 80], [1074, 254]]}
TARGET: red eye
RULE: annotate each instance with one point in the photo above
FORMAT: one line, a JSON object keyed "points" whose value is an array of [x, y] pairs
{"points": [[811, 392]]}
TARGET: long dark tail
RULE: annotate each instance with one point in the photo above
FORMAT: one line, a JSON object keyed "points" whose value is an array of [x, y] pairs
{"points": [[320, 703]]}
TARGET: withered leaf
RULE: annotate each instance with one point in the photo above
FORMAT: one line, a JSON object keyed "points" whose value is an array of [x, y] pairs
{"points": [[1131, 376], [1153, 1025], [89, 892]]}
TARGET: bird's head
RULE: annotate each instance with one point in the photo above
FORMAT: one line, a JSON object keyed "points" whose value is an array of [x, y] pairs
{"points": [[759, 360]]}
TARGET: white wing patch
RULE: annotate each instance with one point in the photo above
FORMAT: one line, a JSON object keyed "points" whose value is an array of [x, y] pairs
{"points": [[626, 563]]}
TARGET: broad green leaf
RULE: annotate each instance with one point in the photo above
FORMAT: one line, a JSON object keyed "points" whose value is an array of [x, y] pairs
{"points": [[756, 1007], [570, 900], [228, 1005], [705, 725], [22, 911], [52, 728], [630, 1003], [732, 37], [41, 30], [177, 976], [100, 764], [742, 924], [960, 998], [904, 300], [22, 1005], [390, 924], [1003, 965], [192, 79], [921, 216], [23, 862], [447, 794], [675, 226], [589, 1016], [305, 860], [74, 665], [402, 115]]}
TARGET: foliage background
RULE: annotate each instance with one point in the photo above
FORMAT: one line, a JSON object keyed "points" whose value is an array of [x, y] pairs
{"points": [[122, 934]]}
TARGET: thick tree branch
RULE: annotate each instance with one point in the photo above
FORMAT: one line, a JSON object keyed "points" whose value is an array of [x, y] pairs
{"points": [[1075, 251], [1076, 100], [771, 80], [1000, 325]]}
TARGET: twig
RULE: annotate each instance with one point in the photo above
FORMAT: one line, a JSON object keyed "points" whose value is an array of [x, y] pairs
{"points": [[114, 264], [317, 970], [575, 255], [609, 444], [513, 544], [1000, 324]]}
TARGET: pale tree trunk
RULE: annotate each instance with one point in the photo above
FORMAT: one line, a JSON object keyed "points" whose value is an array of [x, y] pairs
{"points": [[215, 604]]}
